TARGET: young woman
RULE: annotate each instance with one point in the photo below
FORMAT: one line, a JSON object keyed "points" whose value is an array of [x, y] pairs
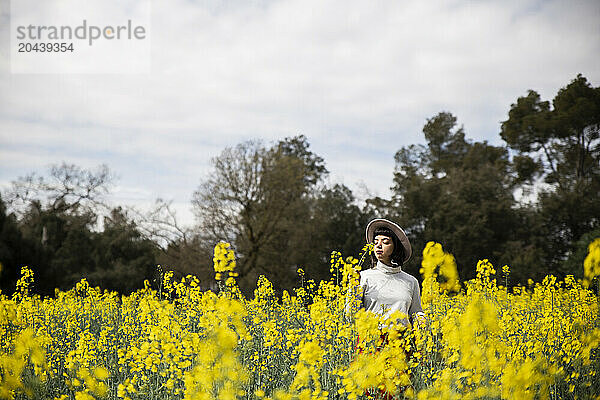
{"points": [[386, 288]]}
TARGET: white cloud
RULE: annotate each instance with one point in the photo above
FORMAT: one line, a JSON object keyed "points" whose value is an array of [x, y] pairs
{"points": [[357, 78]]}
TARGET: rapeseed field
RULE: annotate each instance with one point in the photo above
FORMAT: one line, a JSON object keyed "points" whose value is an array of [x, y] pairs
{"points": [[479, 340]]}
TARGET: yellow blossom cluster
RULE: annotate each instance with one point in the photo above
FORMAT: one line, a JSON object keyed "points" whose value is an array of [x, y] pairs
{"points": [[439, 271], [224, 260], [479, 340], [591, 264]]}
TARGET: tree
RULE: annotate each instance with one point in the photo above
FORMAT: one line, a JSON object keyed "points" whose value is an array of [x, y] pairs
{"points": [[122, 257], [192, 256], [445, 141], [563, 140], [254, 198], [68, 189], [559, 144], [179, 248], [455, 192], [56, 214], [15, 250], [160, 224], [57, 217], [333, 222], [69, 249]]}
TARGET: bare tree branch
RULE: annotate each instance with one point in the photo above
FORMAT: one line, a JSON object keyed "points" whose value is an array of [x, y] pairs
{"points": [[68, 188]]}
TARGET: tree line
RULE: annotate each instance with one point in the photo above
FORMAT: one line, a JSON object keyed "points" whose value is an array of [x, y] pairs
{"points": [[532, 203]]}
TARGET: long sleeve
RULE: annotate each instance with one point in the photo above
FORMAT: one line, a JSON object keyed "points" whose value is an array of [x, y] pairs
{"points": [[415, 305], [388, 289]]}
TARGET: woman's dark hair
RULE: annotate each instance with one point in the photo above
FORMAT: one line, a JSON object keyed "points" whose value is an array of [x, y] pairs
{"points": [[398, 253]]}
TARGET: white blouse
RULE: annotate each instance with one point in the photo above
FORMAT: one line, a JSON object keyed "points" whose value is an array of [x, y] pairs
{"points": [[388, 289]]}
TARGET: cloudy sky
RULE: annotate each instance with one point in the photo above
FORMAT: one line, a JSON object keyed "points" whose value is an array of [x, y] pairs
{"points": [[357, 78]]}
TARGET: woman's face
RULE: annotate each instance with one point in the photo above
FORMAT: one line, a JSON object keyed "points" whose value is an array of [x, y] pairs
{"points": [[383, 246]]}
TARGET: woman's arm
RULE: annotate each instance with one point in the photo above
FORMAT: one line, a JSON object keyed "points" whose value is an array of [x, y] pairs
{"points": [[416, 310]]}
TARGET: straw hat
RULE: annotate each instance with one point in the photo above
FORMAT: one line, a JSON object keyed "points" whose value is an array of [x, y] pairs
{"points": [[384, 223]]}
